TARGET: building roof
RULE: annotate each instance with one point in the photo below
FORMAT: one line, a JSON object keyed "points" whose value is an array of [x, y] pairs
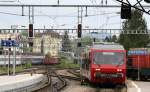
{"points": [[16, 36], [48, 32], [108, 47]]}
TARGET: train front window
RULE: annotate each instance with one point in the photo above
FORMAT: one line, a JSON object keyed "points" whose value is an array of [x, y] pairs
{"points": [[115, 58]]}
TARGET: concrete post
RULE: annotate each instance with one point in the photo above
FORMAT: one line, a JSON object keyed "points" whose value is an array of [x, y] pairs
{"points": [[14, 63]]}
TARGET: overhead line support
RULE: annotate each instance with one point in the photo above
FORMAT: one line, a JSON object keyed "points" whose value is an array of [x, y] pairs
{"points": [[102, 6], [139, 7]]}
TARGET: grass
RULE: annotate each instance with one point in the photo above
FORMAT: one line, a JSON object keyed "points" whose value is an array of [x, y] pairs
{"points": [[5, 69], [18, 68], [66, 63]]}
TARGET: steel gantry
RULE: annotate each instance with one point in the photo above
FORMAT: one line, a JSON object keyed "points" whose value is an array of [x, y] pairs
{"points": [[137, 5], [44, 5], [93, 31]]}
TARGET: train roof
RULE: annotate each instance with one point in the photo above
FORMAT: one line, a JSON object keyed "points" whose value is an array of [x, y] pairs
{"points": [[108, 47]]}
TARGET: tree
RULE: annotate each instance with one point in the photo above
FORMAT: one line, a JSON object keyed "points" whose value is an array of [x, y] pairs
{"points": [[24, 33], [87, 40], [114, 38], [107, 39], [66, 43], [136, 23]]}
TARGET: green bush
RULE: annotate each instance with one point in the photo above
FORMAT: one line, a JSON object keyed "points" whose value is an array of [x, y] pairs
{"points": [[66, 63], [28, 65]]}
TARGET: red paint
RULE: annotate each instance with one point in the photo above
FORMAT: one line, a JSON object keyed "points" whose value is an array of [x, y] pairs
{"points": [[106, 69], [50, 60], [141, 61]]}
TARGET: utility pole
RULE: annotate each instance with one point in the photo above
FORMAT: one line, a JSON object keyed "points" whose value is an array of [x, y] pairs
{"points": [[80, 15], [9, 52], [58, 2], [79, 31], [138, 69], [31, 15], [31, 31], [14, 63], [22, 10]]}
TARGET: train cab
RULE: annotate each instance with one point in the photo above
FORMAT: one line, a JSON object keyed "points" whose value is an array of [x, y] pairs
{"points": [[104, 64]]}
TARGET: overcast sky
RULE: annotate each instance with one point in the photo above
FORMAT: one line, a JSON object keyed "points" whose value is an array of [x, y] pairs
{"points": [[63, 17]]}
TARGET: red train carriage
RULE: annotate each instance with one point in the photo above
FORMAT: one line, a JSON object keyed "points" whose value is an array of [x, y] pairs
{"points": [[139, 63], [50, 60], [103, 64]]}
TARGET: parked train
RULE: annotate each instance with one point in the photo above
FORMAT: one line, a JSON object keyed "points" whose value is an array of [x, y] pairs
{"points": [[50, 60], [104, 63], [138, 63]]}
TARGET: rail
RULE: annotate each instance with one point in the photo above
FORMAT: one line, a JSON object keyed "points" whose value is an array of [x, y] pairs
{"points": [[57, 86]]}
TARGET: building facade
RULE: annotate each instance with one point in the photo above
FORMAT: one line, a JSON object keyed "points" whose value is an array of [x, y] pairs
{"points": [[47, 42]]}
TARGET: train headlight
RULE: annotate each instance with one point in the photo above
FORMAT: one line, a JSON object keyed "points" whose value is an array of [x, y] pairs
{"points": [[119, 70], [97, 69]]}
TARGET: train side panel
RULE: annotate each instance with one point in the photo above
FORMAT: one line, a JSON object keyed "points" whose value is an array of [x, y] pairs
{"points": [[50, 60], [103, 73], [139, 63]]}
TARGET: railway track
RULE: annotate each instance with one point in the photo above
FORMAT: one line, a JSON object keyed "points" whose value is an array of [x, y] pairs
{"points": [[70, 77], [58, 85], [75, 76], [56, 82], [113, 89], [74, 72], [97, 88]]}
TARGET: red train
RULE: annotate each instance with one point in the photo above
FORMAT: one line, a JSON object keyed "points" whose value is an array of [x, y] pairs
{"points": [[50, 60], [139, 63], [104, 64]]}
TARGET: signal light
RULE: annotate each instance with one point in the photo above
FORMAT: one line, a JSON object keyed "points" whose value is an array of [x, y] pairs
{"points": [[30, 30], [147, 1], [31, 34], [79, 30], [125, 11]]}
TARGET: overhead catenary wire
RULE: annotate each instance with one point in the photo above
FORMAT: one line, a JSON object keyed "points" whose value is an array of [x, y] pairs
{"points": [[7, 1], [46, 5], [11, 13], [51, 16]]}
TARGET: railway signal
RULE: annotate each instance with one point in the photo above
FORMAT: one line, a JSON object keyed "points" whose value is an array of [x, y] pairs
{"points": [[30, 34], [79, 30], [79, 35], [30, 30], [125, 11]]}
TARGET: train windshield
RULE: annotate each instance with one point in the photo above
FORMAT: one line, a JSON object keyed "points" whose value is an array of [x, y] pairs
{"points": [[114, 58]]}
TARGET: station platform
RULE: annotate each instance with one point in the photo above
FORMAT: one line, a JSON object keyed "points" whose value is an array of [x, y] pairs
{"points": [[19, 82]]}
